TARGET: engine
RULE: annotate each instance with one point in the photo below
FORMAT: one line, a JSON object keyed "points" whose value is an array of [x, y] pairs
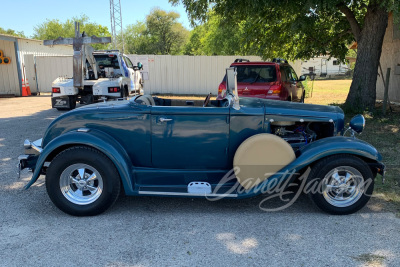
{"points": [[296, 134]]}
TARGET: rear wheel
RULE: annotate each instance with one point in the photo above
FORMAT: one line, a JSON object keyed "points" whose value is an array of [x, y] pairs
{"points": [[340, 184], [82, 181]]}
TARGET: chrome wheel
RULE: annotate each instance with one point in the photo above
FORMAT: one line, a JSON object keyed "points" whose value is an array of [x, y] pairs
{"points": [[343, 186], [81, 184]]}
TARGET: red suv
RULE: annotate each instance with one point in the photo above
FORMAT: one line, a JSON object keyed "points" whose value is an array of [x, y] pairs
{"points": [[271, 80]]}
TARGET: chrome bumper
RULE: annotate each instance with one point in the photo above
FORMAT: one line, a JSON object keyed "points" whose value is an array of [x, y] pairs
{"points": [[29, 158]]}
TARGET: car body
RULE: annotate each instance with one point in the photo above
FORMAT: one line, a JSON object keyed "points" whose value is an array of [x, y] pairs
{"points": [[171, 147], [275, 80]]}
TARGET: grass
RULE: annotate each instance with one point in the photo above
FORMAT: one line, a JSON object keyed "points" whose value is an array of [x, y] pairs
{"points": [[383, 132], [327, 92]]}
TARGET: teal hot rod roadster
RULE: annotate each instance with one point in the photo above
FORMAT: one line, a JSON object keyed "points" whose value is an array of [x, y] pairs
{"points": [[230, 148]]}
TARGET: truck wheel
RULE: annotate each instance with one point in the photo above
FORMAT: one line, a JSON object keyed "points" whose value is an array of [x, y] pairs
{"points": [[124, 92], [72, 101], [340, 184], [82, 181]]}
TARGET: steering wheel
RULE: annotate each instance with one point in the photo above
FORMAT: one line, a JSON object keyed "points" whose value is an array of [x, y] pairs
{"points": [[207, 100]]}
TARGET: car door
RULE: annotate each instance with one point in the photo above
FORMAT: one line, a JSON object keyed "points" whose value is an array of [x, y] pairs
{"points": [[189, 137], [297, 86], [132, 77], [289, 82]]}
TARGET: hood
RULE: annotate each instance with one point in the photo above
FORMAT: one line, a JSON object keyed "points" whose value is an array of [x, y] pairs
{"points": [[107, 104], [275, 106], [297, 111], [88, 116], [286, 107]]}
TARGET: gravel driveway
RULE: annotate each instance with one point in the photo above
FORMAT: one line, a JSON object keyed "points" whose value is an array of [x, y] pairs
{"points": [[152, 231]]}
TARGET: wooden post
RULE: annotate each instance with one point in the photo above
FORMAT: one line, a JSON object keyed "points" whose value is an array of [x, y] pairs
{"points": [[385, 95]]}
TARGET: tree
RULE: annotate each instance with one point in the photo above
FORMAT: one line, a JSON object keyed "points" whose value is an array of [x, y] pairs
{"points": [[136, 39], [302, 29], [216, 37], [12, 32], [167, 36], [52, 29]]}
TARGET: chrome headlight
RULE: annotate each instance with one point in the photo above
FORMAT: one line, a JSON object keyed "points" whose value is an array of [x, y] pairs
{"points": [[357, 123]]}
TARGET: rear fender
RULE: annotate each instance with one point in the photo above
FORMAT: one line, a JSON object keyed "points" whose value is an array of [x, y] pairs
{"points": [[92, 138]]}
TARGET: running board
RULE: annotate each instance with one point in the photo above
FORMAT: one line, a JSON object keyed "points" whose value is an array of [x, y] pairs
{"points": [[185, 194]]}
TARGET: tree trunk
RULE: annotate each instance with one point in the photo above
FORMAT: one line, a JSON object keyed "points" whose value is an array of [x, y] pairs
{"points": [[362, 93]]}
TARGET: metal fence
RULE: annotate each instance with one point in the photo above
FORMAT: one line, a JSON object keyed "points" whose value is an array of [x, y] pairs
{"points": [[49, 68], [190, 75]]}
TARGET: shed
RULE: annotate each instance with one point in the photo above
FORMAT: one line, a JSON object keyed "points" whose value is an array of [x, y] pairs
{"points": [[390, 58], [22, 52]]}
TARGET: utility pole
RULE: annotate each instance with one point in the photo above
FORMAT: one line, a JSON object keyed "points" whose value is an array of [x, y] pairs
{"points": [[116, 22]]}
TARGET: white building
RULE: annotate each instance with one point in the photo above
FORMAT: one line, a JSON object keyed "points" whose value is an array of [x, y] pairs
{"points": [[22, 52], [324, 67]]}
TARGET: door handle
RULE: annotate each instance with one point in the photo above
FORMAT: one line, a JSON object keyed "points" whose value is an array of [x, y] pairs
{"points": [[164, 119]]}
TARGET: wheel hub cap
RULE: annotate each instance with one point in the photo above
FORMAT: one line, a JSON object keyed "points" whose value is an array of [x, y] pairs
{"points": [[343, 186], [81, 184]]}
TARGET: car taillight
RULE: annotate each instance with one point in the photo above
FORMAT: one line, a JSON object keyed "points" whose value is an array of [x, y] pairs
{"points": [[274, 90], [114, 89], [55, 90], [221, 90]]}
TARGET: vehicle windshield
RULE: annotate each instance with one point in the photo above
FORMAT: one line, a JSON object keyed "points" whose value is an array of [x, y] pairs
{"points": [[107, 61], [256, 74]]}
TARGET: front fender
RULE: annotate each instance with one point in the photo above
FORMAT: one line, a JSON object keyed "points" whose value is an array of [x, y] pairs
{"points": [[96, 139], [336, 145]]}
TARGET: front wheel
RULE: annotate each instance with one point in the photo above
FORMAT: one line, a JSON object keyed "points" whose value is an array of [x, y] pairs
{"points": [[82, 181], [340, 184]]}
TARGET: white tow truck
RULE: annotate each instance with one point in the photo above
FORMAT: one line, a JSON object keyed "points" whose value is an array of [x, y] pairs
{"points": [[108, 74]]}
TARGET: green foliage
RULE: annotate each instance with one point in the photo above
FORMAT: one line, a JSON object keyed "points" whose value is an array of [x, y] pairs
{"points": [[160, 34], [216, 37], [52, 29], [12, 32], [167, 36], [136, 39], [289, 29], [351, 53]]}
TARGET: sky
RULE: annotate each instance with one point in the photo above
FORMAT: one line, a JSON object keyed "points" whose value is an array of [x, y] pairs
{"points": [[24, 15]]}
